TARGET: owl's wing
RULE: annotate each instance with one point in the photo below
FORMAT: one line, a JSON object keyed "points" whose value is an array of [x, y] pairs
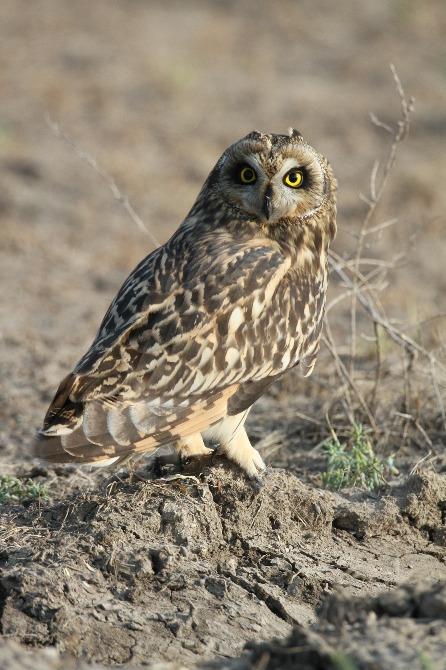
{"points": [[167, 370]]}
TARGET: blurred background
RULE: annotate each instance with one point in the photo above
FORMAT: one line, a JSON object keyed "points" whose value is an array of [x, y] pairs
{"points": [[155, 91]]}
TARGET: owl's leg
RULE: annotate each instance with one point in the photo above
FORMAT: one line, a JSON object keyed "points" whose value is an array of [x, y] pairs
{"points": [[240, 450], [192, 445], [235, 444]]}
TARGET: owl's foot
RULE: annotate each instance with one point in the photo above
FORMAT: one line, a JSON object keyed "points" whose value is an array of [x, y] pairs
{"points": [[240, 451], [192, 446]]}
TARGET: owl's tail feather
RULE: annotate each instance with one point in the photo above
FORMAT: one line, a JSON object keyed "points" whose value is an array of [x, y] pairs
{"points": [[106, 430], [51, 448], [101, 435], [99, 432]]}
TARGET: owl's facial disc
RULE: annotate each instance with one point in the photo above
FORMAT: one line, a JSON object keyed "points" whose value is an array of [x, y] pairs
{"points": [[273, 178], [297, 188]]}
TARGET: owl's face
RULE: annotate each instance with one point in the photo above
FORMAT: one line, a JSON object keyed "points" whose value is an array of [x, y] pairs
{"points": [[273, 177]]}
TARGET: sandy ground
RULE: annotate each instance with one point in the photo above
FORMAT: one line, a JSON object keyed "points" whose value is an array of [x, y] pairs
{"points": [[188, 572]]}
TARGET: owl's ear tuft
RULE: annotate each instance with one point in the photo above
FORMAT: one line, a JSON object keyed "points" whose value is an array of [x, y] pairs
{"points": [[294, 134], [254, 135]]}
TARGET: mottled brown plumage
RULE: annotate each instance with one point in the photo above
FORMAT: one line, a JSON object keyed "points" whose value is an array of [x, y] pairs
{"points": [[206, 322]]}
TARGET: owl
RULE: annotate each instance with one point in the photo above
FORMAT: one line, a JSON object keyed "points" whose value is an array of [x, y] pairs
{"points": [[206, 322]]}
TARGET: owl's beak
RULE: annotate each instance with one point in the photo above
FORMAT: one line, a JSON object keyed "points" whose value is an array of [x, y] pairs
{"points": [[267, 206]]}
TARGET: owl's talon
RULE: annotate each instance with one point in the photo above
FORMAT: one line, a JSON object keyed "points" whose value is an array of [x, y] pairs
{"points": [[257, 483], [240, 451], [192, 446], [195, 458]]}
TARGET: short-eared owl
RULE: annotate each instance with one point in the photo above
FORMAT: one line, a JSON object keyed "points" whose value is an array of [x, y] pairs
{"points": [[207, 321]]}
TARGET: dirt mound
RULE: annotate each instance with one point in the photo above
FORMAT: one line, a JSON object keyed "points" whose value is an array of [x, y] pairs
{"points": [[404, 628], [193, 567], [121, 574], [14, 657]]}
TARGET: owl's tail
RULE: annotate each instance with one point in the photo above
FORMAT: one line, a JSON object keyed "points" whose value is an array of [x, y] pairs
{"points": [[101, 434], [106, 431], [96, 432]]}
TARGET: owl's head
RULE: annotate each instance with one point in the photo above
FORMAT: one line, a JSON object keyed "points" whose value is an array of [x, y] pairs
{"points": [[271, 178]]}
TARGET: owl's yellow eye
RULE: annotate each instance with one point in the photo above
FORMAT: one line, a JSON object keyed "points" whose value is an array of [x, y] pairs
{"points": [[247, 175], [294, 178]]}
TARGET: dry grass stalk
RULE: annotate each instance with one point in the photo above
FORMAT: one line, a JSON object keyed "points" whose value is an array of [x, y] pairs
{"points": [[358, 285], [87, 158], [376, 192]]}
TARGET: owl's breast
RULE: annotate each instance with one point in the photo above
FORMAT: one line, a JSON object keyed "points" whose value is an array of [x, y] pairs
{"points": [[291, 324]]}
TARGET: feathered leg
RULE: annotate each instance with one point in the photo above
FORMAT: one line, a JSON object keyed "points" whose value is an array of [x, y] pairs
{"points": [[235, 444], [192, 445]]}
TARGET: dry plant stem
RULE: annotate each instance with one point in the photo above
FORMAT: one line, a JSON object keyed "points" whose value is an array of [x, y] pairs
{"points": [[344, 374], [370, 306], [377, 368], [330, 427], [376, 313], [408, 359], [108, 180], [438, 395], [376, 192], [360, 277], [378, 262], [363, 286]]}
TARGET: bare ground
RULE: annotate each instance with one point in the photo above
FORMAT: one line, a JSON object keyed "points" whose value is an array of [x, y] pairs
{"points": [[175, 572], [192, 568]]}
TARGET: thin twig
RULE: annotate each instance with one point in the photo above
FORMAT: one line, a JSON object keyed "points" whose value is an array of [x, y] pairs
{"points": [[370, 307], [376, 193], [344, 374], [106, 178], [380, 124], [374, 393], [433, 369]]}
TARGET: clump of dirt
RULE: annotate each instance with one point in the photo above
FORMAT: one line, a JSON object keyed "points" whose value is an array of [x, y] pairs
{"points": [[117, 575], [422, 501], [191, 567], [404, 628], [418, 500], [14, 657]]}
